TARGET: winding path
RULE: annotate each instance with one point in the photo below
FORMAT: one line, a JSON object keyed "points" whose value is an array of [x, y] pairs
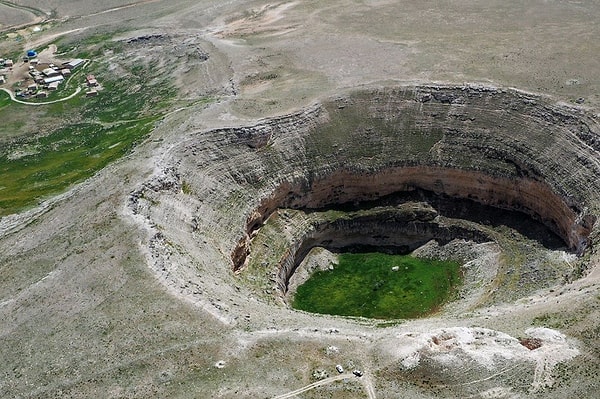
{"points": [[12, 97]]}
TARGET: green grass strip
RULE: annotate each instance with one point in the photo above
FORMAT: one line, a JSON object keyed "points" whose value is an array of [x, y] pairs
{"points": [[48, 165]]}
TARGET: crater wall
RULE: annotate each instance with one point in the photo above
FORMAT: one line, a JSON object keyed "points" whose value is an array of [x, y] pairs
{"points": [[498, 147]]}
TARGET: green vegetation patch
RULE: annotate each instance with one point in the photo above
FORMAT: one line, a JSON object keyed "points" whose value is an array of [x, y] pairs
{"points": [[380, 286], [30, 171]]}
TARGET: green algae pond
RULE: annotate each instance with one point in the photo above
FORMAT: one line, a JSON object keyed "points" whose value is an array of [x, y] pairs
{"points": [[380, 286]]}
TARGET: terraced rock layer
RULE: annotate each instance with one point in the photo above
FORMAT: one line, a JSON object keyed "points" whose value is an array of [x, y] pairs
{"points": [[498, 147]]}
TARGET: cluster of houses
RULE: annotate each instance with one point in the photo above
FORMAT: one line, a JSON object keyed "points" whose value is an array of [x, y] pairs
{"points": [[46, 77], [5, 66]]}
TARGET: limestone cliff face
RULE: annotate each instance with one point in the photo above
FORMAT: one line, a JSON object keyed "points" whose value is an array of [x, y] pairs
{"points": [[495, 146]]}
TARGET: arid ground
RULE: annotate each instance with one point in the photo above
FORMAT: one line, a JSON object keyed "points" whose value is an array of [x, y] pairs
{"points": [[167, 272]]}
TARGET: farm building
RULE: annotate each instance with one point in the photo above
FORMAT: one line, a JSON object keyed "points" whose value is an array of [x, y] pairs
{"points": [[53, 79], [73, 63]]}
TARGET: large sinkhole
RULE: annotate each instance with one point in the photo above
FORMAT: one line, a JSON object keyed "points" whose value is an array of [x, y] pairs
{"points": [[392, 169]]}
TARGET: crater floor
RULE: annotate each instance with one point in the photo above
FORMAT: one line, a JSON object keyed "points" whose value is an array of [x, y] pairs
{"points": [[379, 123]]}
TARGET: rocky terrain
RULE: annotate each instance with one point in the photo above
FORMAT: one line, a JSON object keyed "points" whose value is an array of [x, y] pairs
{"points": [[168, 273]]}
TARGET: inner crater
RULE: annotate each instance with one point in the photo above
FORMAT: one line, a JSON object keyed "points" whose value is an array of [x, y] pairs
{"points": [[395, 169]]}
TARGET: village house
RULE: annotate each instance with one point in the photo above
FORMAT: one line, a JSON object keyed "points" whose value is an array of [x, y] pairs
{"points": [[8, 63], [53, 86], [2, 79], [49, 72], [91, 81], [41, 94]]}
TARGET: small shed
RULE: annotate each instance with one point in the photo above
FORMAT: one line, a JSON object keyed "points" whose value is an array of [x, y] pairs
{"points": [[2, 80], [8, 63], [41, 94], [91, 93]]}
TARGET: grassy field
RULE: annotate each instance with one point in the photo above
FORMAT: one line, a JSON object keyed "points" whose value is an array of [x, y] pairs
{"points": [[380, 286]]}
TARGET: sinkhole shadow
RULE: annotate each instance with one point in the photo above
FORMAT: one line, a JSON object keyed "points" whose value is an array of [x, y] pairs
{"points": [[456, 208]]}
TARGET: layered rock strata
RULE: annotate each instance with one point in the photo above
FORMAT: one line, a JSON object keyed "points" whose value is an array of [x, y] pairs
{"points": [[498, 147]]}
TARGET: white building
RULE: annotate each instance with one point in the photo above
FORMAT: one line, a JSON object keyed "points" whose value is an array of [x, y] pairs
{"points": [[53, 79]]}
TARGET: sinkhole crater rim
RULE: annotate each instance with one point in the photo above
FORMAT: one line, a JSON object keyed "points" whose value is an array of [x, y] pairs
{"points": [[496, 147]]}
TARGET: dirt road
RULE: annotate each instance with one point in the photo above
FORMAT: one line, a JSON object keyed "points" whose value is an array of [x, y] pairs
{"points": [[313, 385], [366, 382], [12, 97]]}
